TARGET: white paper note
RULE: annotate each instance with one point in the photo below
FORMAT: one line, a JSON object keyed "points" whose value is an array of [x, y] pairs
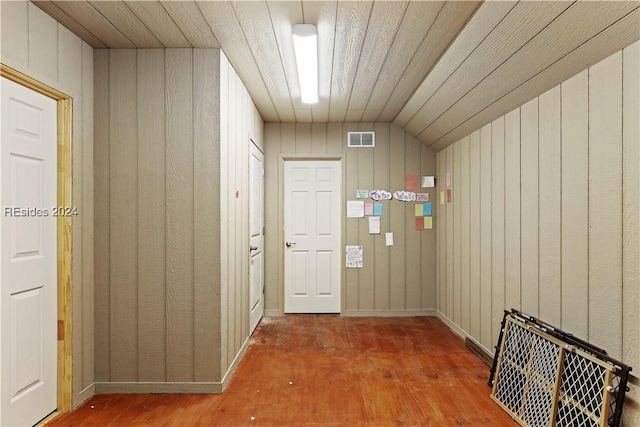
{"points": [[355, 209], [374, 225], [428, 182], [389, 238], [354, 257]]}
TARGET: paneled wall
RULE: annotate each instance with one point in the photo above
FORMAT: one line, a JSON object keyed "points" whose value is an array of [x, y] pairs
{"points": [[240, 122], [157, 240], [545, 215], [36, 45], [172, 138], [397, 280]]}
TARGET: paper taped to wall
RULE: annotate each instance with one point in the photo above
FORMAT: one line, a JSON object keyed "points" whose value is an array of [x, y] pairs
{"points": [[355, 209], [354, 257], [374, 225]]}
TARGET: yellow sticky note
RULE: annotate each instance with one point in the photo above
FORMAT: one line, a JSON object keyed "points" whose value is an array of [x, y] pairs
{"points": [[428, 222], [419, 209], [442, 197]]}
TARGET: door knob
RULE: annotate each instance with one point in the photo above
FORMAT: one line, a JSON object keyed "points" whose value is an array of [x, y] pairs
{"points": [[253, 248], [289, 244]]}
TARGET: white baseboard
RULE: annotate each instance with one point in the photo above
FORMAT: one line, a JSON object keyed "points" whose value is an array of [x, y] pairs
{"points": [[84, 395], [272, 312], [389, 313], [173, 387], [234, 364]]}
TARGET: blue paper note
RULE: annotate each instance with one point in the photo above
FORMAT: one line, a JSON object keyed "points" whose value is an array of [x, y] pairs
{"points": [[377, 209], [427, 209]]}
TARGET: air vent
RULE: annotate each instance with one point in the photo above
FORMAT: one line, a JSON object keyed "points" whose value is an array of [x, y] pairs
{"points": [[361, 139]]}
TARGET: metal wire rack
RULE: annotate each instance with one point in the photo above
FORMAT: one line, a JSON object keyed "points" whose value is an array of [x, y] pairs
{"points": [[544, 377]]}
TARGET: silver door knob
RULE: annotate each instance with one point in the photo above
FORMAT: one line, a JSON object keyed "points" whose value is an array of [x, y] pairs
{"points": [[289, 244]]}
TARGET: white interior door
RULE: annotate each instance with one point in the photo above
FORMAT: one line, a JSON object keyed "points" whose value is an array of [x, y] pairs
{"points": [[256, 236], [28, 252], [312, 236]]}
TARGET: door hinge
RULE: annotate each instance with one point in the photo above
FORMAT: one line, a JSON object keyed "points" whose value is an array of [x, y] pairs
{"points": [[60, 330], [263, 172]]}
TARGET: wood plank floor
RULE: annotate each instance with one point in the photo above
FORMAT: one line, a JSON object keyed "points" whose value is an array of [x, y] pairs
{"points": [[327, 370]]}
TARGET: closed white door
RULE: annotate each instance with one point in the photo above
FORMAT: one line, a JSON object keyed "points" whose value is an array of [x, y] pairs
{"points": [[312, 236], [256, 235], [28, 252]]}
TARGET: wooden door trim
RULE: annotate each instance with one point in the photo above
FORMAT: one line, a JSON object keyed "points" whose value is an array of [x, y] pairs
{"points": [[64, 138]]}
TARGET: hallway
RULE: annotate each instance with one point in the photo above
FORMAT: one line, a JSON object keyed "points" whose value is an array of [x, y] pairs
{"points": [[327, 370]]}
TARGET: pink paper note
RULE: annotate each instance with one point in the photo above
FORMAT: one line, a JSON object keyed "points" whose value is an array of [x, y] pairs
{"points": [[368, 208], [411, 181]]}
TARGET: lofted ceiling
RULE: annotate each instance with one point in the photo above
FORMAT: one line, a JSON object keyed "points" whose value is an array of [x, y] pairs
{"points": [[438, 69]]}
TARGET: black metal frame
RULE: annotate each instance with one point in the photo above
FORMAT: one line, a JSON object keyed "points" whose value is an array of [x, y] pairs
{"points": [[621, 372]]}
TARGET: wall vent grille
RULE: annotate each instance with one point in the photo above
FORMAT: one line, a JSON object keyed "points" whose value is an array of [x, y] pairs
{"points": [[361, 139]]}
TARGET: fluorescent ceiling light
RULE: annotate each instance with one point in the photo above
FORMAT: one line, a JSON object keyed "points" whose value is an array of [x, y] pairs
{"points": [[305, 46]]}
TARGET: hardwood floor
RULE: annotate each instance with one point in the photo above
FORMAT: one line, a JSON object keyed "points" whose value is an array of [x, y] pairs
{"points": [[327, 370]]}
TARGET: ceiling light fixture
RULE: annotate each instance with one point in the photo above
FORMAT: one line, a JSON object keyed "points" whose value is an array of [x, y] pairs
{"points": [[305, 46]]}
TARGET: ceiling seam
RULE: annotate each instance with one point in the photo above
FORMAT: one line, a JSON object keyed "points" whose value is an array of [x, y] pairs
{"points": [[76, 21], [275, 108], [333, 51], [500, 65], [411, 60], [143, 23], [231, 64], [113, 26], [395, 35], [358, 64], [460, 65], [282, 59], [533, 77], [208, 26], [176, 24]]}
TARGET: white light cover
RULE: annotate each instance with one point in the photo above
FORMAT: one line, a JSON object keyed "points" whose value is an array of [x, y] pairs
{"points": [[305, 46]]}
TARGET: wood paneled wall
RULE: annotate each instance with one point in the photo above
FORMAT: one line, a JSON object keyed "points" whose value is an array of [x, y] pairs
{"points": [[36, 45], [545, 215], [398, 280], [240, 122], [172, 137]]}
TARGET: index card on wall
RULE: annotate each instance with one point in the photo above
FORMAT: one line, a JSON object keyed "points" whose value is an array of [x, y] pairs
{"points": [[355, 209], [362, 194], [411, 181], [427, 209], [422, 197], [377, 209], [354, 257], [448, 179], [374, 225], [428, 222], [428, 181], [368, 209], [388, 237]]}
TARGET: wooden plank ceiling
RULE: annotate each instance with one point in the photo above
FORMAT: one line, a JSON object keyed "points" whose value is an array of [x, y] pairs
{"points": [[438, 69]]}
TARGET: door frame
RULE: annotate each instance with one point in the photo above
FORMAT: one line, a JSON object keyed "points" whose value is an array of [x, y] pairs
{"points": [[252, 142], [64, 184], [284, 157]]}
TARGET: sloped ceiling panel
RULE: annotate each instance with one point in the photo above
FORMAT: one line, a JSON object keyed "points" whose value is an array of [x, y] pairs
{"points": [[439, 69]]}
